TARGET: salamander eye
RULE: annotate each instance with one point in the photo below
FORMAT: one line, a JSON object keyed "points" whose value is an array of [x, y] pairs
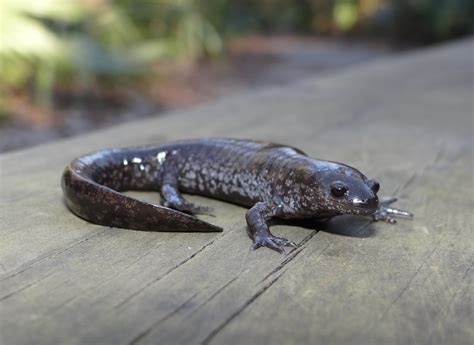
{"points": [[338, 189], [374, 185]]}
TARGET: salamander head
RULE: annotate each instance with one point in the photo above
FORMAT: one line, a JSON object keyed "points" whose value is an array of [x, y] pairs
{"points": [[348, 193]]}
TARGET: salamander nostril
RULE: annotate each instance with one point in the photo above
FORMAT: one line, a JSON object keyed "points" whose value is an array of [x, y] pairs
{"points": [[374, 185]]}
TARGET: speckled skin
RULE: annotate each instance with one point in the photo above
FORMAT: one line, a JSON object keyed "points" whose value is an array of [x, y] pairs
{"points": [[273, 180]]}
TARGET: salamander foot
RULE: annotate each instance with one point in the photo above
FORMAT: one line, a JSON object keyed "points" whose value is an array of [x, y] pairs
{"points": [[272, 242], [386, 213]]}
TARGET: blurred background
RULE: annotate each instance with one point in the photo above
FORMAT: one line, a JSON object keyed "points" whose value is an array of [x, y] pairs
{"points": [[70, 66]]}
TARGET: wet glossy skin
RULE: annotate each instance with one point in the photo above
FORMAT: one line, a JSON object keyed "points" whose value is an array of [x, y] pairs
{"points": [[275, 181]]}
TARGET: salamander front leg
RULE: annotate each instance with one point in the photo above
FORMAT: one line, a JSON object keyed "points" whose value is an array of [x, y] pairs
{"points": [[174, 199], [386, 213], [257, 227]]}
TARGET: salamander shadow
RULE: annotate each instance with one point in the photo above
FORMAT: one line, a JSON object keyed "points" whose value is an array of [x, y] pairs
{"points": [[345, 225]]}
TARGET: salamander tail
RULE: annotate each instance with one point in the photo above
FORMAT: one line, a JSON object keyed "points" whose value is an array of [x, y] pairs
{"points": [[102, 205]]}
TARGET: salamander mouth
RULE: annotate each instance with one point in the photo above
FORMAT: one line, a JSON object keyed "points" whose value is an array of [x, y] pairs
{"points": [[355, 210], [362, 211], [365, 208]]}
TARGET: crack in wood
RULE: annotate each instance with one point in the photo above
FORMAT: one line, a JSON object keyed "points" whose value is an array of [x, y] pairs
{"points": [[457, 295], [222, 288], [163, 319], [130, 297], [401, 187], [227, 321], [451, 302], [34, 262], [25, 287], [288, 259], [405, 288], [290, 256], [105, 281], [210, 298], [307, 238], [53, 310]]}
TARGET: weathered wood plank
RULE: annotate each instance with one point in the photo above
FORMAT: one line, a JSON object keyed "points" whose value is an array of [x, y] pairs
{"points": [[406, 121]]}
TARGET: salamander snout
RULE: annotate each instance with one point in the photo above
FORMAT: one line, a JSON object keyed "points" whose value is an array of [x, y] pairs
{"points": [[365, 197], [369, 203]]}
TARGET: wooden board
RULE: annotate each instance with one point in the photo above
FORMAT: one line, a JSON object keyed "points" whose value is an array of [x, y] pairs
{"points": [[407, 121]]}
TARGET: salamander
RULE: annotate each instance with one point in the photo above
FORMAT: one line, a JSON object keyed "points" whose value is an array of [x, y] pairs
{"points": [[272, 180]]}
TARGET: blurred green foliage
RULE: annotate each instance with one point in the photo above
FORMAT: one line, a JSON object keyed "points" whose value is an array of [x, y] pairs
{"points": [[50, 41], [47, 42]]}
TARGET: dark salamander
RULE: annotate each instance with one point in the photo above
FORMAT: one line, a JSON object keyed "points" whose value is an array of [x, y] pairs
{"points": [[274, 181]]}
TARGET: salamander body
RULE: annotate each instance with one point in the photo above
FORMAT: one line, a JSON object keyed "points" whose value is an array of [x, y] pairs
{"points": [[274, 181]]}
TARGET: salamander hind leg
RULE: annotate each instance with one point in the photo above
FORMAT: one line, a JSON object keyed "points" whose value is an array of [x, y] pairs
{"points": [[173, 199], [258, 230]]}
